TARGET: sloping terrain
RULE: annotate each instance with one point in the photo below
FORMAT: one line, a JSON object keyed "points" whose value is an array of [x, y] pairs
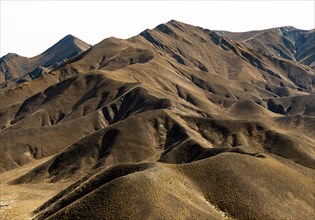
{"points": [[198, 190], [16, 69], [177, 121], [286, 42]]}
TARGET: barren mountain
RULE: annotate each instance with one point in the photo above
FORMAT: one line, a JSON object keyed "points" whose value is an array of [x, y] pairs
{"points": [[15, 69], [176, 122], [286, 42]]}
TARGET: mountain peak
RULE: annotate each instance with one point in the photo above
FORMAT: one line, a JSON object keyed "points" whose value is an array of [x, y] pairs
{"points": [[286, 29], [65, 48], [66, 42], [70, 36], [18, 66], [173, 21]]}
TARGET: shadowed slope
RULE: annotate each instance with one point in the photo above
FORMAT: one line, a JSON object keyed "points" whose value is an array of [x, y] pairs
{"points": [[177, 121], [162, 136], [119, 78]]}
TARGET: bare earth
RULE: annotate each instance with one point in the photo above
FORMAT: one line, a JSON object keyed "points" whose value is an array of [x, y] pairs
{"points": [[178, 122], [18, 201]]}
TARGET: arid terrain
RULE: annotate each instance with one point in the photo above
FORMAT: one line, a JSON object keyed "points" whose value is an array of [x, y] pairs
{"points": [[178, 122]]}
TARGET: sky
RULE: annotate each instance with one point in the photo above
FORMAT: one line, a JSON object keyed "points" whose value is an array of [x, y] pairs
{"points": [[30, 27]]}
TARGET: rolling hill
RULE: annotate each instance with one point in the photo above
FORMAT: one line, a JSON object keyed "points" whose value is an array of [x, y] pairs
{"points": [[176, 122]]}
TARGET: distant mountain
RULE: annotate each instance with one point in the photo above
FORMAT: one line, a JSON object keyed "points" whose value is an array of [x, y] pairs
{"points": [[15, 69], [177, 122], [286, 42]]}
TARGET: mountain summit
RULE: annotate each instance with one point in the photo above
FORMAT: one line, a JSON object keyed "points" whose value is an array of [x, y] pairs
{"points": [[15, 69], [67, 47]]}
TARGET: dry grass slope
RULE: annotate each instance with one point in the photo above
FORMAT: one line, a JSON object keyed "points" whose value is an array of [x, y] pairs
{"points": [[176, 122]]}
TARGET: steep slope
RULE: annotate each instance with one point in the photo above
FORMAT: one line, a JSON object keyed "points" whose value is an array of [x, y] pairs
{"points": [[177, 120], [286, 42], [16, 69], [67, 47], [161, 75]]}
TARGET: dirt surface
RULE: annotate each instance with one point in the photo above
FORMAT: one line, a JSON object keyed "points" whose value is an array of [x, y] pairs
{"points": [[19, 201]]}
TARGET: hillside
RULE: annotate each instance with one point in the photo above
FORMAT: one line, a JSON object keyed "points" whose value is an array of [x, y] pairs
{"points": [[176, 122]]}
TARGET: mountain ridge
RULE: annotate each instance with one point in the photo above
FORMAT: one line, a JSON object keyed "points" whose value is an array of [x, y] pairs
{"points": [[287, 42], [16, 69], [177, 121]]}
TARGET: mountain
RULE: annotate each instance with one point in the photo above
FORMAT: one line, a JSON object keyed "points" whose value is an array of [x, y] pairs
{"points": [[176, 122], [16, 69], [286, 42]]}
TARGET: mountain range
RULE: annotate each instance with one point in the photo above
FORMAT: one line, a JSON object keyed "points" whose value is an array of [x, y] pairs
{"points": [[176, 122]]}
